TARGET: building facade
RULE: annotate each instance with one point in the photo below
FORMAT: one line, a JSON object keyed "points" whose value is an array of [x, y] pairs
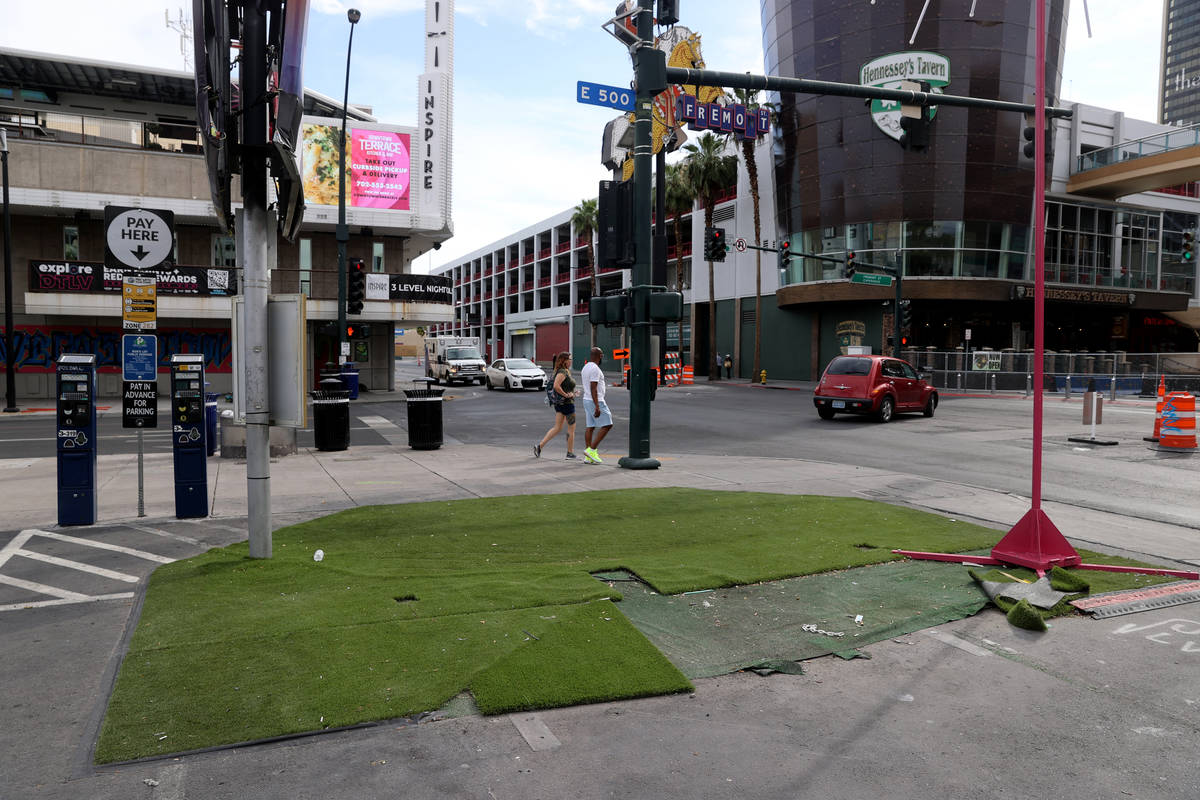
{"points": [[955, 218], [85, 135], [1179, 73]]}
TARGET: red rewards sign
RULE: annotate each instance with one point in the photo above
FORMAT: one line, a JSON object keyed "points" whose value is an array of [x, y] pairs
{"points": [[379, 167]]}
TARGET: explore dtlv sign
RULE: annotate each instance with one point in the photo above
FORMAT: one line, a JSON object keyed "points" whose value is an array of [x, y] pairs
{"points": [[141, 238]]}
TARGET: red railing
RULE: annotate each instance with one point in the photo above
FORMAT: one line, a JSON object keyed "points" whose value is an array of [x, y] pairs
{"points": [[583, 272], [512, 289], [527, 285], [562, 247], [527, 259], [562, 277], [543, 282], [544, 252], [581, 241], [581, 308]]}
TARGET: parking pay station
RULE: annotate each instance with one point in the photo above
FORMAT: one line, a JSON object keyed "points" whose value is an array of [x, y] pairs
{"points": [[76, 393], [188, 435]]}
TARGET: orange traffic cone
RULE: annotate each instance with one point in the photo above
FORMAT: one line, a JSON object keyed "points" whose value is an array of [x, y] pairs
{"points": [[1158, 411]]}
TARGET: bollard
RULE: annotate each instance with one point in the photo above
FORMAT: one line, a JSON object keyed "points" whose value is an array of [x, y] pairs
{"points": [[960, 381], [1067, 389], [1112, 388], [762, 377], [993, 383], [1028, 384]]}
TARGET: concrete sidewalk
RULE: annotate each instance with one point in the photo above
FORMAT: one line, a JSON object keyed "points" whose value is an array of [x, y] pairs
{"points": [[843, 730]]}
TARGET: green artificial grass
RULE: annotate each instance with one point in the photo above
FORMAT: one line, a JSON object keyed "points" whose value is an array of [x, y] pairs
{"points": [[1076, 582], [414, 603]]}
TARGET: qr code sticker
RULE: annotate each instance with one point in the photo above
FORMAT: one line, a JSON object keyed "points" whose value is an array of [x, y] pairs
{"points": [[218, 279]]}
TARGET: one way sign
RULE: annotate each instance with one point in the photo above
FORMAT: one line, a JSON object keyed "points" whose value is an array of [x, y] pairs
{"points": [[141, 238]]}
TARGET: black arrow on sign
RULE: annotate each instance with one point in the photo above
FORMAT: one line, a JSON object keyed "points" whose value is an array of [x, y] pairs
{"points": [[141, 252]]}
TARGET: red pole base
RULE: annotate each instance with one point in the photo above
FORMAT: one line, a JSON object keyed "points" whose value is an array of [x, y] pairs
{"points": [[1034, 542]]}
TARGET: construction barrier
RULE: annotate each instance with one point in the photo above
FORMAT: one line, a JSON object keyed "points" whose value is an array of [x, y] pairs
{"points": [[1178, 422], [671, 369], [686, 379]]}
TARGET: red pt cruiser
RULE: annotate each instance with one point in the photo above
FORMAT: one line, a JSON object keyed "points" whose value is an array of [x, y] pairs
{"points": [[877, 385]]}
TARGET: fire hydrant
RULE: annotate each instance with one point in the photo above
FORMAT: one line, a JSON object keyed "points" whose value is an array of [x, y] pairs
{"points": [[762, 377]]}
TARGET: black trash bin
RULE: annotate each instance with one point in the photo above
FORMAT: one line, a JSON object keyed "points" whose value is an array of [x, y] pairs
{"points": [[210, 421], [331, 416], [424, 415]]}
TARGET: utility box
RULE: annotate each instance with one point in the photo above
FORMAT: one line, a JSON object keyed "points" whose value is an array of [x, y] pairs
{"points": [[76, 437]]}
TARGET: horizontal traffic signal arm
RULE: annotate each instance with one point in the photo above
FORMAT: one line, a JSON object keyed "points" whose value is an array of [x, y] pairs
{"points": [[775, 83]]}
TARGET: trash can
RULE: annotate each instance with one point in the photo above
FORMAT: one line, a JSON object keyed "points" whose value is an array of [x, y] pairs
{"points": [[350, 379], [331, 416], [210, 421], [424, 415], [330, 372]]}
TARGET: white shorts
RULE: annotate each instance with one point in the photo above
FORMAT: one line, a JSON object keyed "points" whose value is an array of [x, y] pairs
{"points": [[593, 420]]}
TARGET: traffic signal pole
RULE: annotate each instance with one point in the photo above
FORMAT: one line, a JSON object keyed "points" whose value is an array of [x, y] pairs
{"points": [[639, 294]]}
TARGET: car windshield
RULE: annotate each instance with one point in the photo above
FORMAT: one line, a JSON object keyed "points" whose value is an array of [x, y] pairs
{"points": [[462, 353], [521, 363], [849, 366]]}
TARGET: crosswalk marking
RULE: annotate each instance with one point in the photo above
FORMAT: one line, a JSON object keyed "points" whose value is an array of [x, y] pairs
{"points": [[79, 565], [389, 430], [116, 548], [16, 547]]}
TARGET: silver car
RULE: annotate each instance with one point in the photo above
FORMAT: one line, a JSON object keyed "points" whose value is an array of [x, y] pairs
{"points": [[514, 373]]}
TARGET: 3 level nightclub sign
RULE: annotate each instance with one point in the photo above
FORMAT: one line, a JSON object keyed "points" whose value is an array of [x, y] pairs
{"points": [[411, 288], [94, 277]]}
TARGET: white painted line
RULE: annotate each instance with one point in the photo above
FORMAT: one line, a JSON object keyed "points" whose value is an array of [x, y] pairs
{"points": [[67, 602], [116, 548], [204, 521], [42, 588], [954, 641], [164, 534], [11, 464], [389, 430], [10, 549], [534, 731], [378, 422], [63, 562]]}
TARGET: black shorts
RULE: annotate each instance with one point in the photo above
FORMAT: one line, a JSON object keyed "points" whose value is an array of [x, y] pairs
{"points": [[566, 409]]}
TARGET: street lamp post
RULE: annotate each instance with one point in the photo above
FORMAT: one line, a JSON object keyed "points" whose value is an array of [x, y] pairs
{"points": [[10, 381], [343, 233]]}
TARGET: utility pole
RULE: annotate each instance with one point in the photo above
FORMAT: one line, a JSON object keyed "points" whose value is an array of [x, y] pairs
{"points": [[645, 57], [10, 381], [342, 234], [253, 251]]}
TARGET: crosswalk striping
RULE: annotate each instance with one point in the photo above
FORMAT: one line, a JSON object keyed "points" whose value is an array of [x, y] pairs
{"points": [[16, 547], [389, 430]]}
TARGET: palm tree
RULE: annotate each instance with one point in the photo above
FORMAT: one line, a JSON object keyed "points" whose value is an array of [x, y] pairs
{"points": [[710, 172], [749, 98], [584, 220], [680, 199]]}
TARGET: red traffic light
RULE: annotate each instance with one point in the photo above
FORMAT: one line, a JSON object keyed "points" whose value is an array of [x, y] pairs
{"points": [[349, 331]]}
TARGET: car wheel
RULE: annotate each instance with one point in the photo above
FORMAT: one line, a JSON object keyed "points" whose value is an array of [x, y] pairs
{"points": [[825, 413], [930, 405], [887, 408], [488, 381]]}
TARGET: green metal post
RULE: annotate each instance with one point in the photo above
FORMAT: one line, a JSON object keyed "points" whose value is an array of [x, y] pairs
{"points": [[639, 349]]}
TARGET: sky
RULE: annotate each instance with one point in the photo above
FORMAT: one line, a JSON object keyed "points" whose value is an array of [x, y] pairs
{"points": [[524, 150]]}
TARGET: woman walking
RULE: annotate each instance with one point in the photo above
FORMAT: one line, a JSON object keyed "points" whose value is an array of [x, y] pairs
{"points": [[564, 406]]}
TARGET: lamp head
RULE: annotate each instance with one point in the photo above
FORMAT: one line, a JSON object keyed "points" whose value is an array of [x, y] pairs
{"points": [[354, 15]]}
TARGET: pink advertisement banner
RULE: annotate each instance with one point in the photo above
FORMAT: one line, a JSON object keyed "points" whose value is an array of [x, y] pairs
{"points": [[379, 169]]}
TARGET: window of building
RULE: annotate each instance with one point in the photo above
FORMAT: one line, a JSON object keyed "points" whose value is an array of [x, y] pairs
{"points": [[224, 251], [71, 242], [305, 266], [377, 257]]}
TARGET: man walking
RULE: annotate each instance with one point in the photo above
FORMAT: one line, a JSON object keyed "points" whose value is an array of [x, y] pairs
{"points": [[595, 411]]}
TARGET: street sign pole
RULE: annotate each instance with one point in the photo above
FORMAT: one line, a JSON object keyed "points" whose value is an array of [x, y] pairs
{"points": [[639, 362]]}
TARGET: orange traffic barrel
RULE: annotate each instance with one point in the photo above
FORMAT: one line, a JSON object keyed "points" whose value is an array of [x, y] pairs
{"points": [[687, 379], [1178, 430]]}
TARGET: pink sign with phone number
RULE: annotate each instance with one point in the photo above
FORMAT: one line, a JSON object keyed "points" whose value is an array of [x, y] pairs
{"points": [[379, 169]]}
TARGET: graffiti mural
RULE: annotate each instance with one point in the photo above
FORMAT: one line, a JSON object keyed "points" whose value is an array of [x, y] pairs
{"points": [[37, 346]]}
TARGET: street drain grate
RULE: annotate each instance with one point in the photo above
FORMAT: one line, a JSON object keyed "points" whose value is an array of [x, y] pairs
{"points": [[1115, 604]]}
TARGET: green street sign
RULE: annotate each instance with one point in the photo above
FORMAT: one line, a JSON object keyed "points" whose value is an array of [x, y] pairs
{"points": [[871, 279]]}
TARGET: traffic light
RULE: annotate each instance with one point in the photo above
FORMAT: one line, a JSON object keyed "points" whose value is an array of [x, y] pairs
{"points": [[608, 310], [785, 254], [1189, 246], [850, 266], [714, 244], [665, 306], [1030, 146], [906, 313], [356, 285]]}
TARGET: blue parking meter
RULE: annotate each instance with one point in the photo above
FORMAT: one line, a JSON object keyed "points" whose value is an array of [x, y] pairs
{"points": [[188, 435], [76, 393]]}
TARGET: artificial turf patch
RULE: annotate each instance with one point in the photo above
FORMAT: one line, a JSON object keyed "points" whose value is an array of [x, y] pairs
{"points": [[414, 603]]}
